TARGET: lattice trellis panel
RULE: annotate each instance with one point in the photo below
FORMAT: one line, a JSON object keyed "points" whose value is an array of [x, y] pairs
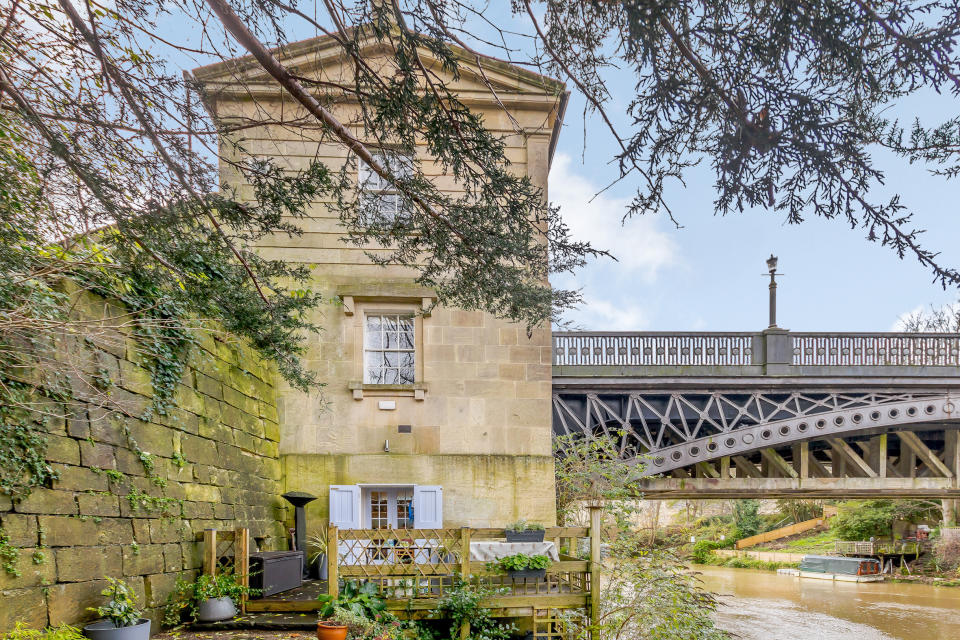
{"points": [[404, 563], [556, 624], [673, 430], [423, 563]]}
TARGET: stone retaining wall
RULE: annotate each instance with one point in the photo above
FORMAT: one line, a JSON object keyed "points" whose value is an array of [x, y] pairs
{"points": [[765, 556], [215, 465]]}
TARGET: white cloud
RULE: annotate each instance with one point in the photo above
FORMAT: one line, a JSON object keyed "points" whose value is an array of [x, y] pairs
{"points": [[640, 247], [601, 314]]}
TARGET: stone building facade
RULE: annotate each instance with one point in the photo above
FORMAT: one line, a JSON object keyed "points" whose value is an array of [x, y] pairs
{"points": [[467, 437], [462, 435]]}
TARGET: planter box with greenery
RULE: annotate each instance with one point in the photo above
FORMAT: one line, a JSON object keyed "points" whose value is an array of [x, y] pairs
{"points": [[521, 566], [523, 531], [207, 599], [121, 618]]}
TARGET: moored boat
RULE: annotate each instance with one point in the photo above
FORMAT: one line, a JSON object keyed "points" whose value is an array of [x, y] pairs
{"points": [[838, 568]]}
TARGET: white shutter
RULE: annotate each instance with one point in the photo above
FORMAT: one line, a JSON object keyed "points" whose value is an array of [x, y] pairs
{"points": [[345, 514], [427, 507], [345, 506]]}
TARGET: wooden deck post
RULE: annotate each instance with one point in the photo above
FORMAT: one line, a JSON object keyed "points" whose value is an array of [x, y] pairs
{"points": [[595, 524], [465, 572], [241, 562], [333, 556], [210, 552]]}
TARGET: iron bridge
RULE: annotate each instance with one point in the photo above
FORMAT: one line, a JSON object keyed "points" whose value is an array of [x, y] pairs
{"points": [[774, 413]]}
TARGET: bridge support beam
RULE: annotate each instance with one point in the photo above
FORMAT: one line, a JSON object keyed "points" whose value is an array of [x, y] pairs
{"points": [[812, 488]]}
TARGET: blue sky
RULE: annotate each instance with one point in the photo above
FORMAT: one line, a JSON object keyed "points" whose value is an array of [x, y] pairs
{"points": [[709, 274]]}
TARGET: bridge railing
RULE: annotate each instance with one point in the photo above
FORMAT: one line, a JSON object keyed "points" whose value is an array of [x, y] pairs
{"points": [[606, 348], [876, 349], [742, 349]]}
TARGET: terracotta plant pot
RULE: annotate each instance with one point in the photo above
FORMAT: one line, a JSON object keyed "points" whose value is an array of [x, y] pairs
{"points": [[331, 631]]}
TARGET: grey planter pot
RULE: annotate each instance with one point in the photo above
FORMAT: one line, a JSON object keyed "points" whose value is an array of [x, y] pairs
{"points": [[524, 536], [104, 630], [527, 574], [216, 609], [320, 567]]}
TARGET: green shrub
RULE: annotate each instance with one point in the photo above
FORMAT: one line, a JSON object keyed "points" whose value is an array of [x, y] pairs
{"points": [[702, 550], [862, 520], [360, 627], [520, 562], [746, 518], [120, 609], [463, 604], [63, 632], [361, 599], [523, 525]]}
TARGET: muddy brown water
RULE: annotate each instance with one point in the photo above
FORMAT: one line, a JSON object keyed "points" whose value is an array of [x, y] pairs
{"points": [[761, 605]]}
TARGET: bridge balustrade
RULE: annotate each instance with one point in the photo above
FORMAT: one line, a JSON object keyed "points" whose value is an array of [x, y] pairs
{"points": [[751, 353]]}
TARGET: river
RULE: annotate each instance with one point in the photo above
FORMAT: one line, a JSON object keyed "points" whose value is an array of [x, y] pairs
{"points": [[761, 605]]}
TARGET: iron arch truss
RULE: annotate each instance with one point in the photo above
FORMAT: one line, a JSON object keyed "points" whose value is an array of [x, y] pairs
{"points": [[674, 430]]}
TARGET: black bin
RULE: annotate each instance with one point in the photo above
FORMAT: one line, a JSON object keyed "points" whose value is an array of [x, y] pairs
{"points": [[275, 571]]}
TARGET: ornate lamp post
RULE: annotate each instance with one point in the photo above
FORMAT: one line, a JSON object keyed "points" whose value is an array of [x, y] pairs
{"points": [[772, 268]]}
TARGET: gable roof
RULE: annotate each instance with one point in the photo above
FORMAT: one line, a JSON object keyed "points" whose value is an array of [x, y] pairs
{"points": [[322, 58]]}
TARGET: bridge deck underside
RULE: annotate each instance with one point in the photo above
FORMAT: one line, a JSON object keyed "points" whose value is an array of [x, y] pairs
{"points": [[782, 444]]}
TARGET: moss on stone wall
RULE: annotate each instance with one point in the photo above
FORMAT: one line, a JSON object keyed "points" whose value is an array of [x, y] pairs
{"points": [[133, 497]]}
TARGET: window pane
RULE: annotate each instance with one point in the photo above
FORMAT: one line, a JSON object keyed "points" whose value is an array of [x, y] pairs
{"points": [[391, 340], [389, 345]]}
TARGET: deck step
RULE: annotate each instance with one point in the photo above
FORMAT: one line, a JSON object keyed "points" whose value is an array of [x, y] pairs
{"points": [[286, 621]]}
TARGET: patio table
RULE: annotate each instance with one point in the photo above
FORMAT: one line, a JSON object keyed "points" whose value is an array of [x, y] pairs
{"points": [[485, 551]]}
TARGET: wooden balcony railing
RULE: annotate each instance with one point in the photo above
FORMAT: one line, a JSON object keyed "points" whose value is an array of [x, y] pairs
{"points": [[411, 564], [414, 568]]}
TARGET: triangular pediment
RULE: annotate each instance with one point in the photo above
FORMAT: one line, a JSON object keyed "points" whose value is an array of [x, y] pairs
{"points": [[323, 59]]}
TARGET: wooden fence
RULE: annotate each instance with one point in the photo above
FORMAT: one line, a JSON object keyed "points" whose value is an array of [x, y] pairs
{"points": [[790, 530]]}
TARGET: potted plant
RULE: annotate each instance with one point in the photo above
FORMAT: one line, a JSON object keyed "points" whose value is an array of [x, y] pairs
{"points": [[523, 531], [121, 618], [521, 566], [362, 599], [208, 598], [317, 541], [359, 600]]}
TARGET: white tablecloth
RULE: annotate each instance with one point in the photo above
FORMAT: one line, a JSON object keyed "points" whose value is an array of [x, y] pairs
{"points": [[485, 551]]}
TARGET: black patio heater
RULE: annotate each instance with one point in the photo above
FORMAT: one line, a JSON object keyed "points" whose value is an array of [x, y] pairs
{"points": [[299, 499]]}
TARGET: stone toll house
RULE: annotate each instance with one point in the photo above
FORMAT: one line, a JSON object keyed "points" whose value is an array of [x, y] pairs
{"points": [[449, 426]]}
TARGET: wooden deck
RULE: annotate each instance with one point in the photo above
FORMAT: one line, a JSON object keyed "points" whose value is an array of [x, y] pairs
{"points": [[413, 569]]}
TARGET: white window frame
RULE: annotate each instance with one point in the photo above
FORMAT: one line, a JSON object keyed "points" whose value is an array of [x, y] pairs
{"points": [[370, 348], [370, 185]]}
